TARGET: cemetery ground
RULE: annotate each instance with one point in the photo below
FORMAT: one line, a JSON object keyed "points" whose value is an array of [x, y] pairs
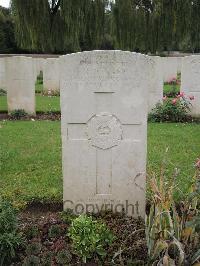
{"points": [[32, 180], [32, 175]]}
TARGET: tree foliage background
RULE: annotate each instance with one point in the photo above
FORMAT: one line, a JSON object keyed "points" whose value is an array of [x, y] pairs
{"points": [[62, 26], [7, 39]]}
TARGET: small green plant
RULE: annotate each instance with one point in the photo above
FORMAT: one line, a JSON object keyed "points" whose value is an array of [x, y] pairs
{"points": [[18, 114], [33, 248], [32, 232], [89, 237], [172, 110], [3, 92], [63, 257], [31, 261], [10, 239], [47, 259], [54, 231], [67, 216]]}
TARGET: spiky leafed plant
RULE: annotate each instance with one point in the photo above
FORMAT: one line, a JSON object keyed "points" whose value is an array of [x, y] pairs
{"points": [[167, 226]]}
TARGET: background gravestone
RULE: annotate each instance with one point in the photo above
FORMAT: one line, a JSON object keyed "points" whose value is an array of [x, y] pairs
{"points": [[2, 74], [155, 83], [190, 81], [104, 130], [51, 74], [20, 83], [38, 65], [170, 67]]}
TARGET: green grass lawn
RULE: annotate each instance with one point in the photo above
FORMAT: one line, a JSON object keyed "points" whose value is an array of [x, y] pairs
{"points": [[38, 86], [30, 157], [43, 103], [3, 104], [46, 103]]}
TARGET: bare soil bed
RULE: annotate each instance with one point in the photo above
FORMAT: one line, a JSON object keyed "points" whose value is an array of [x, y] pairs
{"points": [[46, 237], [39, 116]]}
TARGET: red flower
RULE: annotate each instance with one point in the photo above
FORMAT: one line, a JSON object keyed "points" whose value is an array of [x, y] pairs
{"points": [[174, 101], [191, 98], [181, 94], [198, 163], [164, 98]]}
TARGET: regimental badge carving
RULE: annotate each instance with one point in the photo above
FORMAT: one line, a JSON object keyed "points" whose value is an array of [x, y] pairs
{"points": [[104, 131]]}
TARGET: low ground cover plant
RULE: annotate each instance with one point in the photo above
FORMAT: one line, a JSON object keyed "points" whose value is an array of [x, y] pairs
{"points": [[18, 114], [90, 237], [173, 110]]}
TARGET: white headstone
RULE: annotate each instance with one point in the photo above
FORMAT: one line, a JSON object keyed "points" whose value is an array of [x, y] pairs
{"points": [[39, 65], [104, 131], [190, 81], [179, 64], [51, 74], [169, 67], [20, 83], [2, 74], [155, 82]]}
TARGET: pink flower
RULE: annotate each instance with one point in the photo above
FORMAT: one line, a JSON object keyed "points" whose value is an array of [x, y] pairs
{"points": [[198, 163], [174, 101], [164, 98], [181, 94], [191, 97]]}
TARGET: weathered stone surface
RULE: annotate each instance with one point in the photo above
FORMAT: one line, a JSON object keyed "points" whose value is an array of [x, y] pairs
{"points": [[104, 130], [190, 81], [20, 83], [51, 74], [2, 74], [38, 65], [179, 64], [170, 67], [155, 83]]}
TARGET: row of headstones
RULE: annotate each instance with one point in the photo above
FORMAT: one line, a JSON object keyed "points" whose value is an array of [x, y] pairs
{"points": [[170, 67], [48, 66], [18, 75]]}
